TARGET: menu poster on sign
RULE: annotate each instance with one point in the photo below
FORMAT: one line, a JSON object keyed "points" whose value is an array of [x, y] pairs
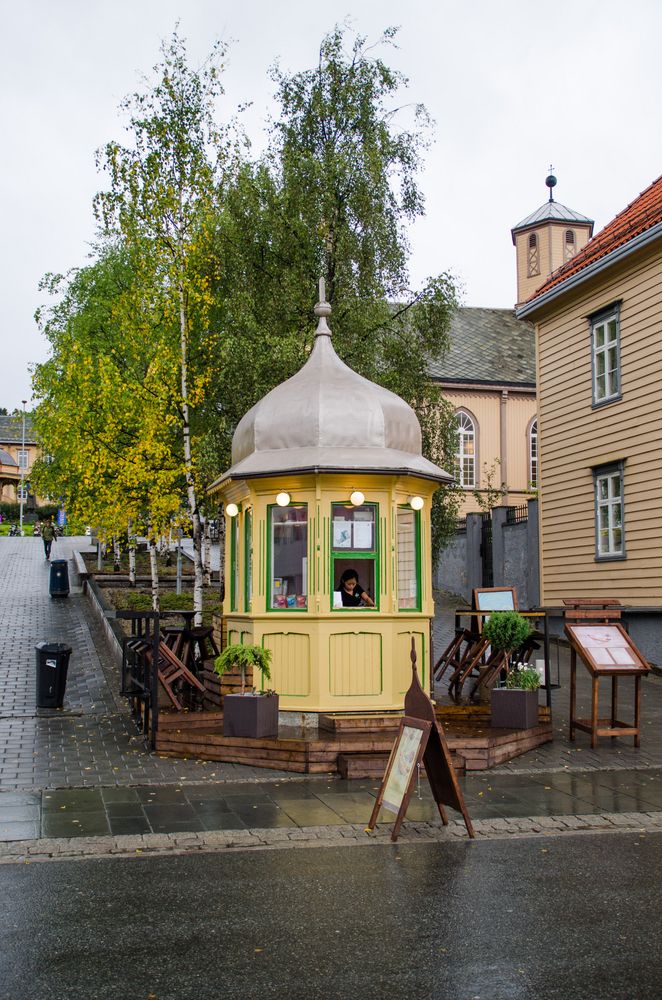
{"points": [[607, 646], [404, 761]]}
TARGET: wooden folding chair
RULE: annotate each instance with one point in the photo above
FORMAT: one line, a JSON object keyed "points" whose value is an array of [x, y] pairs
{"points": [[171, 671], [470, 661], [452, 655]]}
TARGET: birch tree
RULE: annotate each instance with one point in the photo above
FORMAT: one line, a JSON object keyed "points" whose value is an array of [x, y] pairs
{"points": [[161, 201]]}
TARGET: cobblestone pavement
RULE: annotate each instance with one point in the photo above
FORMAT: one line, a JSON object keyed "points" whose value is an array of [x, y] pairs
{"points": [[80, 782], [347, 835], [93, 741]]}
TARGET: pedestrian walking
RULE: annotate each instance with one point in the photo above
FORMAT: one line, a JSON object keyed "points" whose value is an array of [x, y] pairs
{"points": [[48, 536]]}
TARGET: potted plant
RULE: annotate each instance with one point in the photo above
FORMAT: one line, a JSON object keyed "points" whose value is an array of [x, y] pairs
{"points": [[253, 713], [516, 705]]}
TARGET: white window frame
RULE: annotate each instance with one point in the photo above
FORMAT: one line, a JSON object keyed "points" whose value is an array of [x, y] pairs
{"points": [[606, 356], [534, 455], [22, 492], [609, 512], [466, 430], [23, 458]]}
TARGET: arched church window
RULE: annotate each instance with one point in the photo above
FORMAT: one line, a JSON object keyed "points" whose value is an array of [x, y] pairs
{"points": [[465, 458], [533, 259]]}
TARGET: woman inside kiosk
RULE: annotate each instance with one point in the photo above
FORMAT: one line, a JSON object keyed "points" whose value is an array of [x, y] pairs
{"points": [[352, 593]]}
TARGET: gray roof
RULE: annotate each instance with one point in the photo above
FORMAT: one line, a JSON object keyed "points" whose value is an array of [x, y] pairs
{"points": [[552, 211], [488, 346], [11, 430], [6, 459], [327, 418]]}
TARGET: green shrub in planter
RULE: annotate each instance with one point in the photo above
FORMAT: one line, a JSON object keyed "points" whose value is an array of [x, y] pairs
{"points": [[523, 677], [506, 630], [240, 657]]}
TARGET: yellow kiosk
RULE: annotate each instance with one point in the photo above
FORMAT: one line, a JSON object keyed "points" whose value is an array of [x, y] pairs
{"points": [[328, 477]]}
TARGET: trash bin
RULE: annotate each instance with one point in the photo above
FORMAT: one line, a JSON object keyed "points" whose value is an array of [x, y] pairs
{"points": [[52, 666], [59, 583]]}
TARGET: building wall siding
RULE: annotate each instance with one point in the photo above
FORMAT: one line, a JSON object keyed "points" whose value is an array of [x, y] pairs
{"points": [[485, 407], [575, 437]]}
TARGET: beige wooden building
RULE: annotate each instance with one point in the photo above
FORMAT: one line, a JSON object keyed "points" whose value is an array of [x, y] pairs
{"points": [[16, 457], [488, 376], [599, 368]]}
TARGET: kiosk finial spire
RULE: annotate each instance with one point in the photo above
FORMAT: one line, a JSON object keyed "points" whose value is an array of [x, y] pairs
{"points": [[322, 310]]}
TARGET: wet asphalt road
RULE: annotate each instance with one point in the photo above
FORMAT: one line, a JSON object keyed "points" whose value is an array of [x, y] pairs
{"points": [[569, 917]]}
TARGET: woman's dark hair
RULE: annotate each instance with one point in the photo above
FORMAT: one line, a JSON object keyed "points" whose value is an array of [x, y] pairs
{"points": [[349, 574]]}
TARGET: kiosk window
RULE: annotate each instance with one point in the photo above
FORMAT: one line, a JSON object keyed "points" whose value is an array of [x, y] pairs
{"points": [[288, 557], [408, 535], [354, 546]]}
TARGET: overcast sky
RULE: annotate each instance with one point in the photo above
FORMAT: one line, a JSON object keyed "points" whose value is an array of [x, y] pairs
{"points": [[513, 86]]}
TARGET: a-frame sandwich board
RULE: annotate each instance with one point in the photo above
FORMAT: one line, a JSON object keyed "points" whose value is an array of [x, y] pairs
{"points": [[420, 739]]}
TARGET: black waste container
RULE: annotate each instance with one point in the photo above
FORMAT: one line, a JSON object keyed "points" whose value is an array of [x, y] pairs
{"points": [[59, 584], [52, 666]]}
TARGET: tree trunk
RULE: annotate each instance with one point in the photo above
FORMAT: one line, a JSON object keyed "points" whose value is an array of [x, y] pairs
{"points": [[221, 547], [116, 554], [188, 465], [207, 551], [132, 553], [154, 567]]}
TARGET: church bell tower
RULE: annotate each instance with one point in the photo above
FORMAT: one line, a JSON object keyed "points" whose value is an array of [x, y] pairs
{"points": [[545, 240]]}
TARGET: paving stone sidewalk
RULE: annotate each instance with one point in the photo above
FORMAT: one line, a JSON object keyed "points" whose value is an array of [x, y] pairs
{"points": [[82, 776], [93, 741]]}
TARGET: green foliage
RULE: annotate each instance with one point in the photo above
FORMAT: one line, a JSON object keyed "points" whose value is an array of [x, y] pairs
{"points": [[331, 198], [526, 678], [244, 657], [12, 511], [493, 492], [506, 630], [199, 295]]}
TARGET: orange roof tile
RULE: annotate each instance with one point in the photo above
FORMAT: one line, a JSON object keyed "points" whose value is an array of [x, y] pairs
{"points": [[641, 214]]}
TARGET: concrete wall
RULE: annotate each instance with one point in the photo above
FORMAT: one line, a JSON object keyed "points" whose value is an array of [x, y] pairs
{"points": [[514, 555]]}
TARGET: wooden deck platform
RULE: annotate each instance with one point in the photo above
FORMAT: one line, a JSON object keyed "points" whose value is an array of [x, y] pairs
{"points": [[356, 746]]}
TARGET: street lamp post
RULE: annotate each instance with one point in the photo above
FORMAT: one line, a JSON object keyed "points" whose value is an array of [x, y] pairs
{"points": [[22, 464]]}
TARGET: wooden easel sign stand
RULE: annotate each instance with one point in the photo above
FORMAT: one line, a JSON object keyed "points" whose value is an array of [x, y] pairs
{"points": [[599, 640], [420, 740]]}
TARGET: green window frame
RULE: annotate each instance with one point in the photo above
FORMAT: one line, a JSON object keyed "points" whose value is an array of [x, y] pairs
{"points": [[248, 558], [234, 563], [356, 551], [408, 558], [288, 591]]}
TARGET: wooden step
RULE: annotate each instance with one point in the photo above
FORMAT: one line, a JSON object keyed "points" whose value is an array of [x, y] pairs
{"points": [[373, 765], [183, 721], [359, 723], [362, 765]]}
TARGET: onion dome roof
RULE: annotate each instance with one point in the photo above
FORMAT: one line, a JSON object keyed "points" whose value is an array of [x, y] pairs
{"points": [[328, 418]]}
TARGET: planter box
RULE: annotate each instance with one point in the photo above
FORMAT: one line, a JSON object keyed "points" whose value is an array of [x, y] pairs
{"points": [[251, 715], [513, 708]]}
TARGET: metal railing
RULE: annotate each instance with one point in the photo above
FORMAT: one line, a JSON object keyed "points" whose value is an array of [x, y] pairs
{"points": [[517, 515]]}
